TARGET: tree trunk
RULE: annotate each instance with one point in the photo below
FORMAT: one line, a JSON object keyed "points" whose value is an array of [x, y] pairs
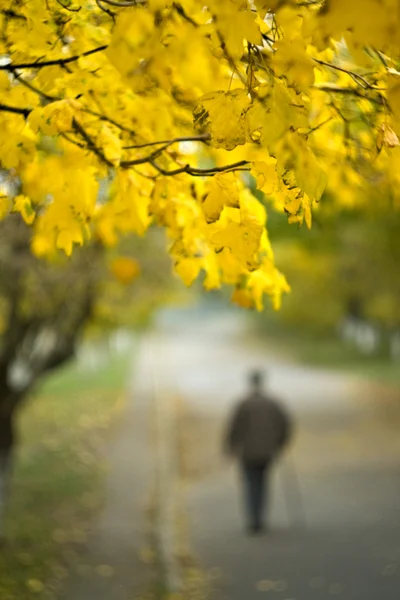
{"points": [[6, 449]]}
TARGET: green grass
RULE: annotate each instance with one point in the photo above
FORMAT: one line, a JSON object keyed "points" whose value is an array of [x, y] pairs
{"points": [[332, 353], [58, 477]]}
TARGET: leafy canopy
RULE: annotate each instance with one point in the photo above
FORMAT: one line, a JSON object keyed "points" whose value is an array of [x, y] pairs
{"points": [[119, 114]]}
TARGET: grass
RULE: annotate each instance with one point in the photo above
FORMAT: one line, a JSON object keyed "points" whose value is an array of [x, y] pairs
{"points": [[58, 475], [330, 352]]}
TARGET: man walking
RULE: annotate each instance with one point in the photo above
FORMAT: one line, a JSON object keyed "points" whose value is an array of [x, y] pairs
{"points": [[258, 431]]}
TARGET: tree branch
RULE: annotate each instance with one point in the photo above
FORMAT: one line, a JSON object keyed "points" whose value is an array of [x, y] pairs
{"points": [[90, 143], [39, 64], [25, 112], [194, 138], [31, 87], [181, 12], [149, 157], [201, 172], [109, 12], [104, 117], [357, 78], [326, 87], [124, 3]]}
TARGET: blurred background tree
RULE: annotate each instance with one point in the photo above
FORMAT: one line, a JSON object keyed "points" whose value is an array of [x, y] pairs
{"points": [[47, 305], [343, 275]]}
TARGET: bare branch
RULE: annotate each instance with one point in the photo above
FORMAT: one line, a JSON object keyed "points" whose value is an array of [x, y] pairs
{"points": [[124, 3], [238, 166], [90, 143], [181, 12], [194, 138], [31, 87], [88, 111], [312, 129], [357, 78], [39, 64], [68, 8], [25, 112], [109, 12], [326, 87]]}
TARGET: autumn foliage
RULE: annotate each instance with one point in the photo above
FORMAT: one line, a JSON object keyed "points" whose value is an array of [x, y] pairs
{"points": [[116, 115]]}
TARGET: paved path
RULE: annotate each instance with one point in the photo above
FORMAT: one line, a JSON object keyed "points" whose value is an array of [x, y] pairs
{"points": [[113, 567], [345, 541]]}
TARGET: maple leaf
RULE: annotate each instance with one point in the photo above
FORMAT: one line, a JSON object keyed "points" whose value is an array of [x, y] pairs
{"points": [[292, 62], [125, 269], [224, 113], [23, 205], [158, 116], [223, 191], [241, 235]]}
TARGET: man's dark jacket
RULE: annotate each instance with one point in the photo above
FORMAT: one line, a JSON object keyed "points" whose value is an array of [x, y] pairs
{"points": [[258, 430]]}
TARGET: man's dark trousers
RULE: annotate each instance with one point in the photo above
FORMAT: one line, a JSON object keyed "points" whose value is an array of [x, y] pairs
{"points": [[255, 479]]}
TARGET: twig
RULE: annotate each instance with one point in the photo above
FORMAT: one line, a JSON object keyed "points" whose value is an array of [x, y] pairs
{"points": [[75, 142], [69, 9], [88, 111], [31, 87], [51, 63], [109, 12], [201, 172], [348, 90], [357, 78], [312, 129], [124, 3], [195, 138], [16, 110], [181, 11], [90, 143], [145, 159]]}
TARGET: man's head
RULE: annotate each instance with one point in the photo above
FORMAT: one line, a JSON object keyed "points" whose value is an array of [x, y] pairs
{"points": [[256, 380]]}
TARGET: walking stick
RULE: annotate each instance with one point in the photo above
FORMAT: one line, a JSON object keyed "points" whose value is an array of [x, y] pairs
{"points": [[292, 493]]}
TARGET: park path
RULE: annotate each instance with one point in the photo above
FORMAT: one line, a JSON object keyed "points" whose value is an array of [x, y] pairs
{"points": [[116, 565], [336, 513], [335, 517]]}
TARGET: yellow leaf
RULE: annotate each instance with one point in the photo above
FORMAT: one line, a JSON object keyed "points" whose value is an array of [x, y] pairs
{"points": [[54, 118], [42, 244], [310, 176], [265, 174], [231, 268], [224, 113], [223, 191], [68, 237], [132, 31], [235, 24], [188, 269], [266, 280], [242, 297], [386, 137], [5, 206], [131, 203], [394, 100], [125, 269], [293, 202], [242, 237], [213, 278], [265, 5], [22, 204], [4, 81], [307, 211], [110, 143], [292, 62]]}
